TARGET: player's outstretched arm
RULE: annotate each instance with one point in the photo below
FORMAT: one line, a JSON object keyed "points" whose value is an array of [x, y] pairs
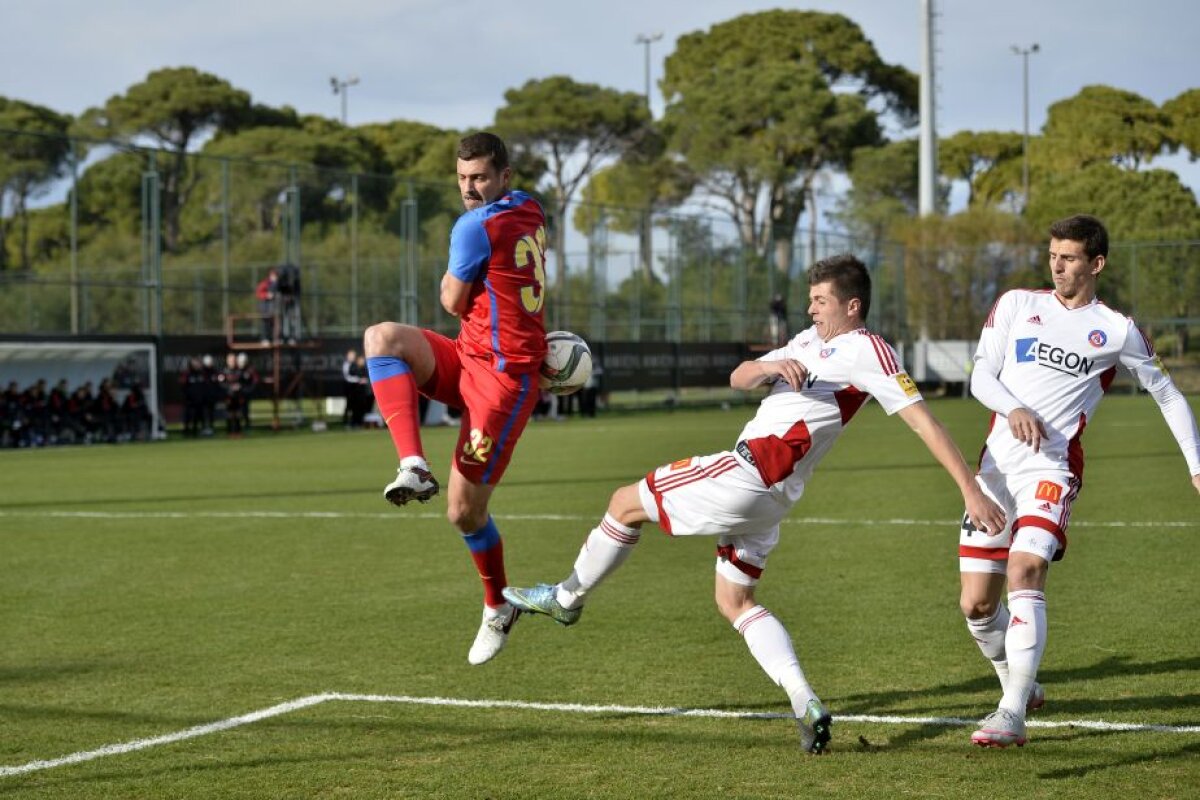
{"points": [[984, 513], [1196, 482], [752, 374]]}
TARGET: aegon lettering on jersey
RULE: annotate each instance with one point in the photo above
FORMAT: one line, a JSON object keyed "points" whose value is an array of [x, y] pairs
{"points": [[1053, 356]]}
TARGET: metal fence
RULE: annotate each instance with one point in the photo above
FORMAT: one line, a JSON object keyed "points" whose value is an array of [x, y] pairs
{"points": [[131, 240]]}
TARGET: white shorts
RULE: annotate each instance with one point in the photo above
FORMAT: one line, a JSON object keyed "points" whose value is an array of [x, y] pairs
{"points": [[717, 496], [1037, 505]]}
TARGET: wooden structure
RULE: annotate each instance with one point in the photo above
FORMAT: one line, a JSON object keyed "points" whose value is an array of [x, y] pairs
{"points": [[277, 348]]}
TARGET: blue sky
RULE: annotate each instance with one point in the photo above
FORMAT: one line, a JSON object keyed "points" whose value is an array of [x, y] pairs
{"points": [[449, 63]]}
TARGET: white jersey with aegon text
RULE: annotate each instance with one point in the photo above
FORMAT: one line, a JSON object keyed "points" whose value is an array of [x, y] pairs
{"points": [[794, 429], [1057, 362]]}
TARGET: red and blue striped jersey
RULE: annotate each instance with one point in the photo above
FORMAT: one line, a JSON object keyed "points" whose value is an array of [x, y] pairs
{"points": [[500, 248]]}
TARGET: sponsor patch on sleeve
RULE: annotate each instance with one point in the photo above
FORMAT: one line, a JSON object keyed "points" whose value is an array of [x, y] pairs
{"points": [[907, 384], [1048, 490], [682, 463]]}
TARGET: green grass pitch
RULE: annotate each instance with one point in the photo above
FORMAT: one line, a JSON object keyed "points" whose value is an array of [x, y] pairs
{"points": [[149, 589]]}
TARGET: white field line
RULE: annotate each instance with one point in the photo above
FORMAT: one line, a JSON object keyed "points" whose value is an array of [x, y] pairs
{"points": [[569, 708], [399, 516]]}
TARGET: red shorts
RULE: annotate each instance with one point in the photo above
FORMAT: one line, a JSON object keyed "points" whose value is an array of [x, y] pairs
{"points": [[495, 406]]}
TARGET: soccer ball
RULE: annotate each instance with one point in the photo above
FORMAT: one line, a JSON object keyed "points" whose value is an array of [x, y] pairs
{"points": [[568, 363]]}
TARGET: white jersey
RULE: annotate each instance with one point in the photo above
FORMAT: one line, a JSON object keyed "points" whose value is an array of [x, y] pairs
{"points": [[1057, 362], [793, 430]]}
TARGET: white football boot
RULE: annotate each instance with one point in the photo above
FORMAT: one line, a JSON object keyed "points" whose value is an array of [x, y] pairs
{"points": [[493, 633]]}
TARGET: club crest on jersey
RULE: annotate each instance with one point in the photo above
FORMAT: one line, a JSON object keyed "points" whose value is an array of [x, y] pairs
{"points": [[1044, 354], [1097, 338], [828, 351]]}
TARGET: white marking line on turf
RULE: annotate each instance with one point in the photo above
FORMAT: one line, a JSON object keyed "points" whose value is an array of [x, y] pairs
{"points": [[518, 517], [570, 708], [169, 738]]}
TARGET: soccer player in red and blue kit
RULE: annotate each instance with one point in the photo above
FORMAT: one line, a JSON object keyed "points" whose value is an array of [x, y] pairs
{"points": [[494, 285]]}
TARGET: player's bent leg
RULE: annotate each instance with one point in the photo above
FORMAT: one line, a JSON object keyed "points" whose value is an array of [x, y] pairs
{"points": [[986, 616], [771, 646], [606, 548], [1025, 639], [399, 359], [467, 505]]}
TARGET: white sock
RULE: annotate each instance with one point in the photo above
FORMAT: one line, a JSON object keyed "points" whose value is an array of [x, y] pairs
{"points": [[771, 647], [989, 635], [604, 550], [1025, 642]]}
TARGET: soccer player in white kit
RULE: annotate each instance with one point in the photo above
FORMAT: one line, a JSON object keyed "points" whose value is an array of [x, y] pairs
{"points": [[817, 382], [1044, 360]]}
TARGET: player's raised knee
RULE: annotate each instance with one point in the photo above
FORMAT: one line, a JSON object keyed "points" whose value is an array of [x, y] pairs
{"points": [[378, 340]]}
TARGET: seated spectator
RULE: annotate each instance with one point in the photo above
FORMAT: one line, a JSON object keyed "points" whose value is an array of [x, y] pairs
{"points": [[36, 402], [60, 428], [135, 415], [106, 412], [14, 428], [79, 413]]}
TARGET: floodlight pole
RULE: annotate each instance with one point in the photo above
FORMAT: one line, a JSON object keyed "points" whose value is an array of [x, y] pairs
{"points": [[1024, 52], [341, 87], [646, 40]]}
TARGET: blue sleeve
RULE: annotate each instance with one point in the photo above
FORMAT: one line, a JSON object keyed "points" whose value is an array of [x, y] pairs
{"points": [[470, 249]]}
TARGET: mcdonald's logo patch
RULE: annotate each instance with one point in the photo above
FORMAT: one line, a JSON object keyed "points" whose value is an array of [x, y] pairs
{"points": [[1048, 490]]}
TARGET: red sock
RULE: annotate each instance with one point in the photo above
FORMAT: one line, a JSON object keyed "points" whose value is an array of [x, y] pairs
{"points": [[396, 393], [487, 551]]}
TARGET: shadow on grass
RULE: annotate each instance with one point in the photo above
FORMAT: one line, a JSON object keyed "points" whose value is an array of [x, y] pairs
{"points": [[1190, 750], [15, 675], [1113, 666]]}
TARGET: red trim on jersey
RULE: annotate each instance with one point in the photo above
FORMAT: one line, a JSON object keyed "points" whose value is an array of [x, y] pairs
{"points": [[1106, 378], [728, 553], [776, 457], [849, 401], [990, 322], [989, 553], [1044, 524], [1075, 449], [883, 351], [1145, 340], [986, 436], [664, 521]]}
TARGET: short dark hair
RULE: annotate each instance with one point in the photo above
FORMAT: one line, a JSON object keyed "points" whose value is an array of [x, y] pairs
{"points": [[484, 144], [1083, 228], [849, 277]]}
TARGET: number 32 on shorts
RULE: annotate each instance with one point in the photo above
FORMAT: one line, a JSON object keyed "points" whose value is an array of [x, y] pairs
{"points": [[478, 446]]}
